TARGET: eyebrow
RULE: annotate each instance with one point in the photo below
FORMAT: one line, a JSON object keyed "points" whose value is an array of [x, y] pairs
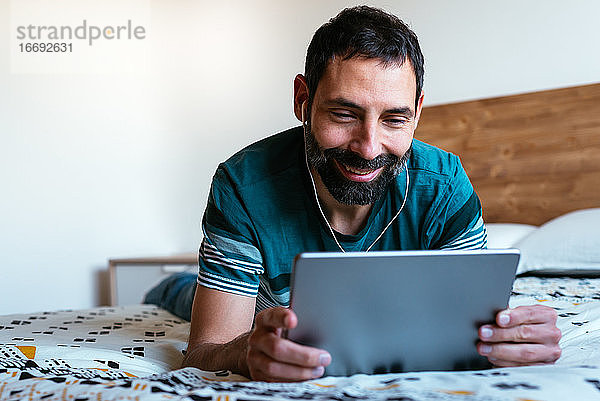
{"points": [[340, 101]]}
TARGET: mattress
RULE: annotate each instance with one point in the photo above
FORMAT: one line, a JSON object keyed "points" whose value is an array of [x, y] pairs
{"points": [[135, 352]]}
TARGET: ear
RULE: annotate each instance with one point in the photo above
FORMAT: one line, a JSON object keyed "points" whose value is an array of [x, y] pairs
{"points": [[300, 95], [419, 109]]}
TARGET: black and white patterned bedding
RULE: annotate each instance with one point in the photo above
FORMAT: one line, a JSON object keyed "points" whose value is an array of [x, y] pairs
{"points": [[134, 353]]}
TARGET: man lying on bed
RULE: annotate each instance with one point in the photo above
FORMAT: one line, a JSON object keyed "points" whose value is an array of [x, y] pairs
{"points": [[359, 101]]}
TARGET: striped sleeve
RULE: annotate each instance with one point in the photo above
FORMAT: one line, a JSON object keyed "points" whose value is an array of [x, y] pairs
{"points": [[471, 238], [457, 221], [229, 259]]}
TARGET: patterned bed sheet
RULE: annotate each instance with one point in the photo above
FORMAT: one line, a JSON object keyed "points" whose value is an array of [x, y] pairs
{"points": [[134, 352]]}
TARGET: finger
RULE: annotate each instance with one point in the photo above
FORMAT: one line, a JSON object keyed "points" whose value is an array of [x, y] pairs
{"points": [[525, 333], [529, 314], [264, 368], [499, 363], [286, 351], [276, 318], [520, 353]]}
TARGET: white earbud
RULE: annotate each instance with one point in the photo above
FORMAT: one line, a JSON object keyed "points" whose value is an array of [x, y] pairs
{"points": [[303, 107]]}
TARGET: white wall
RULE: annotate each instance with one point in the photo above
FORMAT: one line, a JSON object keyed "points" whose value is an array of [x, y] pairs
{"points": [[94, 165]]}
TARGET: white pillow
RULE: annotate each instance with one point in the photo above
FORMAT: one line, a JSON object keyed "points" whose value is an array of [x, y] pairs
{"points": [[568, 243], [506, 235]]}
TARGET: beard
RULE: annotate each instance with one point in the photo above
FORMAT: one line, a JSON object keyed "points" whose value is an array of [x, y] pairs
{"points": [[341, 188]]}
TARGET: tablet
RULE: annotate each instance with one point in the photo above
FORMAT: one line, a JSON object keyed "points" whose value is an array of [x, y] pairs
{"points": [[400, 311]]}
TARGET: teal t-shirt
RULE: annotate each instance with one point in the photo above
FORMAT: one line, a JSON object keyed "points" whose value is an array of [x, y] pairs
{"points": [[261, 213]]}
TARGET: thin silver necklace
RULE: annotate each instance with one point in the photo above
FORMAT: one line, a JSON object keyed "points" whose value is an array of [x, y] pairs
{"points": [[304, 125]]}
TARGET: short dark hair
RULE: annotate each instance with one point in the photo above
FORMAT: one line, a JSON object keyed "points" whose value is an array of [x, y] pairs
{"points": [[362, 32]]}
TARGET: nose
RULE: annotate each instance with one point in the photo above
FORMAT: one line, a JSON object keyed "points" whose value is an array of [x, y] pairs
{"points": [[366, 141]]}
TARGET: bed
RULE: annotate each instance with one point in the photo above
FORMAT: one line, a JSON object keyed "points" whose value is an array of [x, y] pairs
{"points": [[550, 210], [134, 352]]}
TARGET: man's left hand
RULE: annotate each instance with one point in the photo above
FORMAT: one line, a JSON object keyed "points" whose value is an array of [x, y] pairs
{"points": [[526, 335]]}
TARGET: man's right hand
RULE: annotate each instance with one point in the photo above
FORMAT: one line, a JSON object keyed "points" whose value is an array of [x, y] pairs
{"points": [[273, 358]]}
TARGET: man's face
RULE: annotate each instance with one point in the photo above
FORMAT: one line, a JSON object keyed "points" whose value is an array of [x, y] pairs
{"points": [[361, 127]]}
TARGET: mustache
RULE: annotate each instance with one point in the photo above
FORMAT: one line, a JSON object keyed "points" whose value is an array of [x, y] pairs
{"points": [[351, 159]]}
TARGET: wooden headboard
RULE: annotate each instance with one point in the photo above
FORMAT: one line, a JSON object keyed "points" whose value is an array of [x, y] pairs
{"points": [[530, 157]]}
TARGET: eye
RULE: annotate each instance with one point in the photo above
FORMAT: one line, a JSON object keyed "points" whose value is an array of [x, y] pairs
{"points": [[396, 122], [341, 116]]}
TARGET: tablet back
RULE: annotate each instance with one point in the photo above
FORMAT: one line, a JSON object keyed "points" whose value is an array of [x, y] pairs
{"points": [[399, 311]]}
